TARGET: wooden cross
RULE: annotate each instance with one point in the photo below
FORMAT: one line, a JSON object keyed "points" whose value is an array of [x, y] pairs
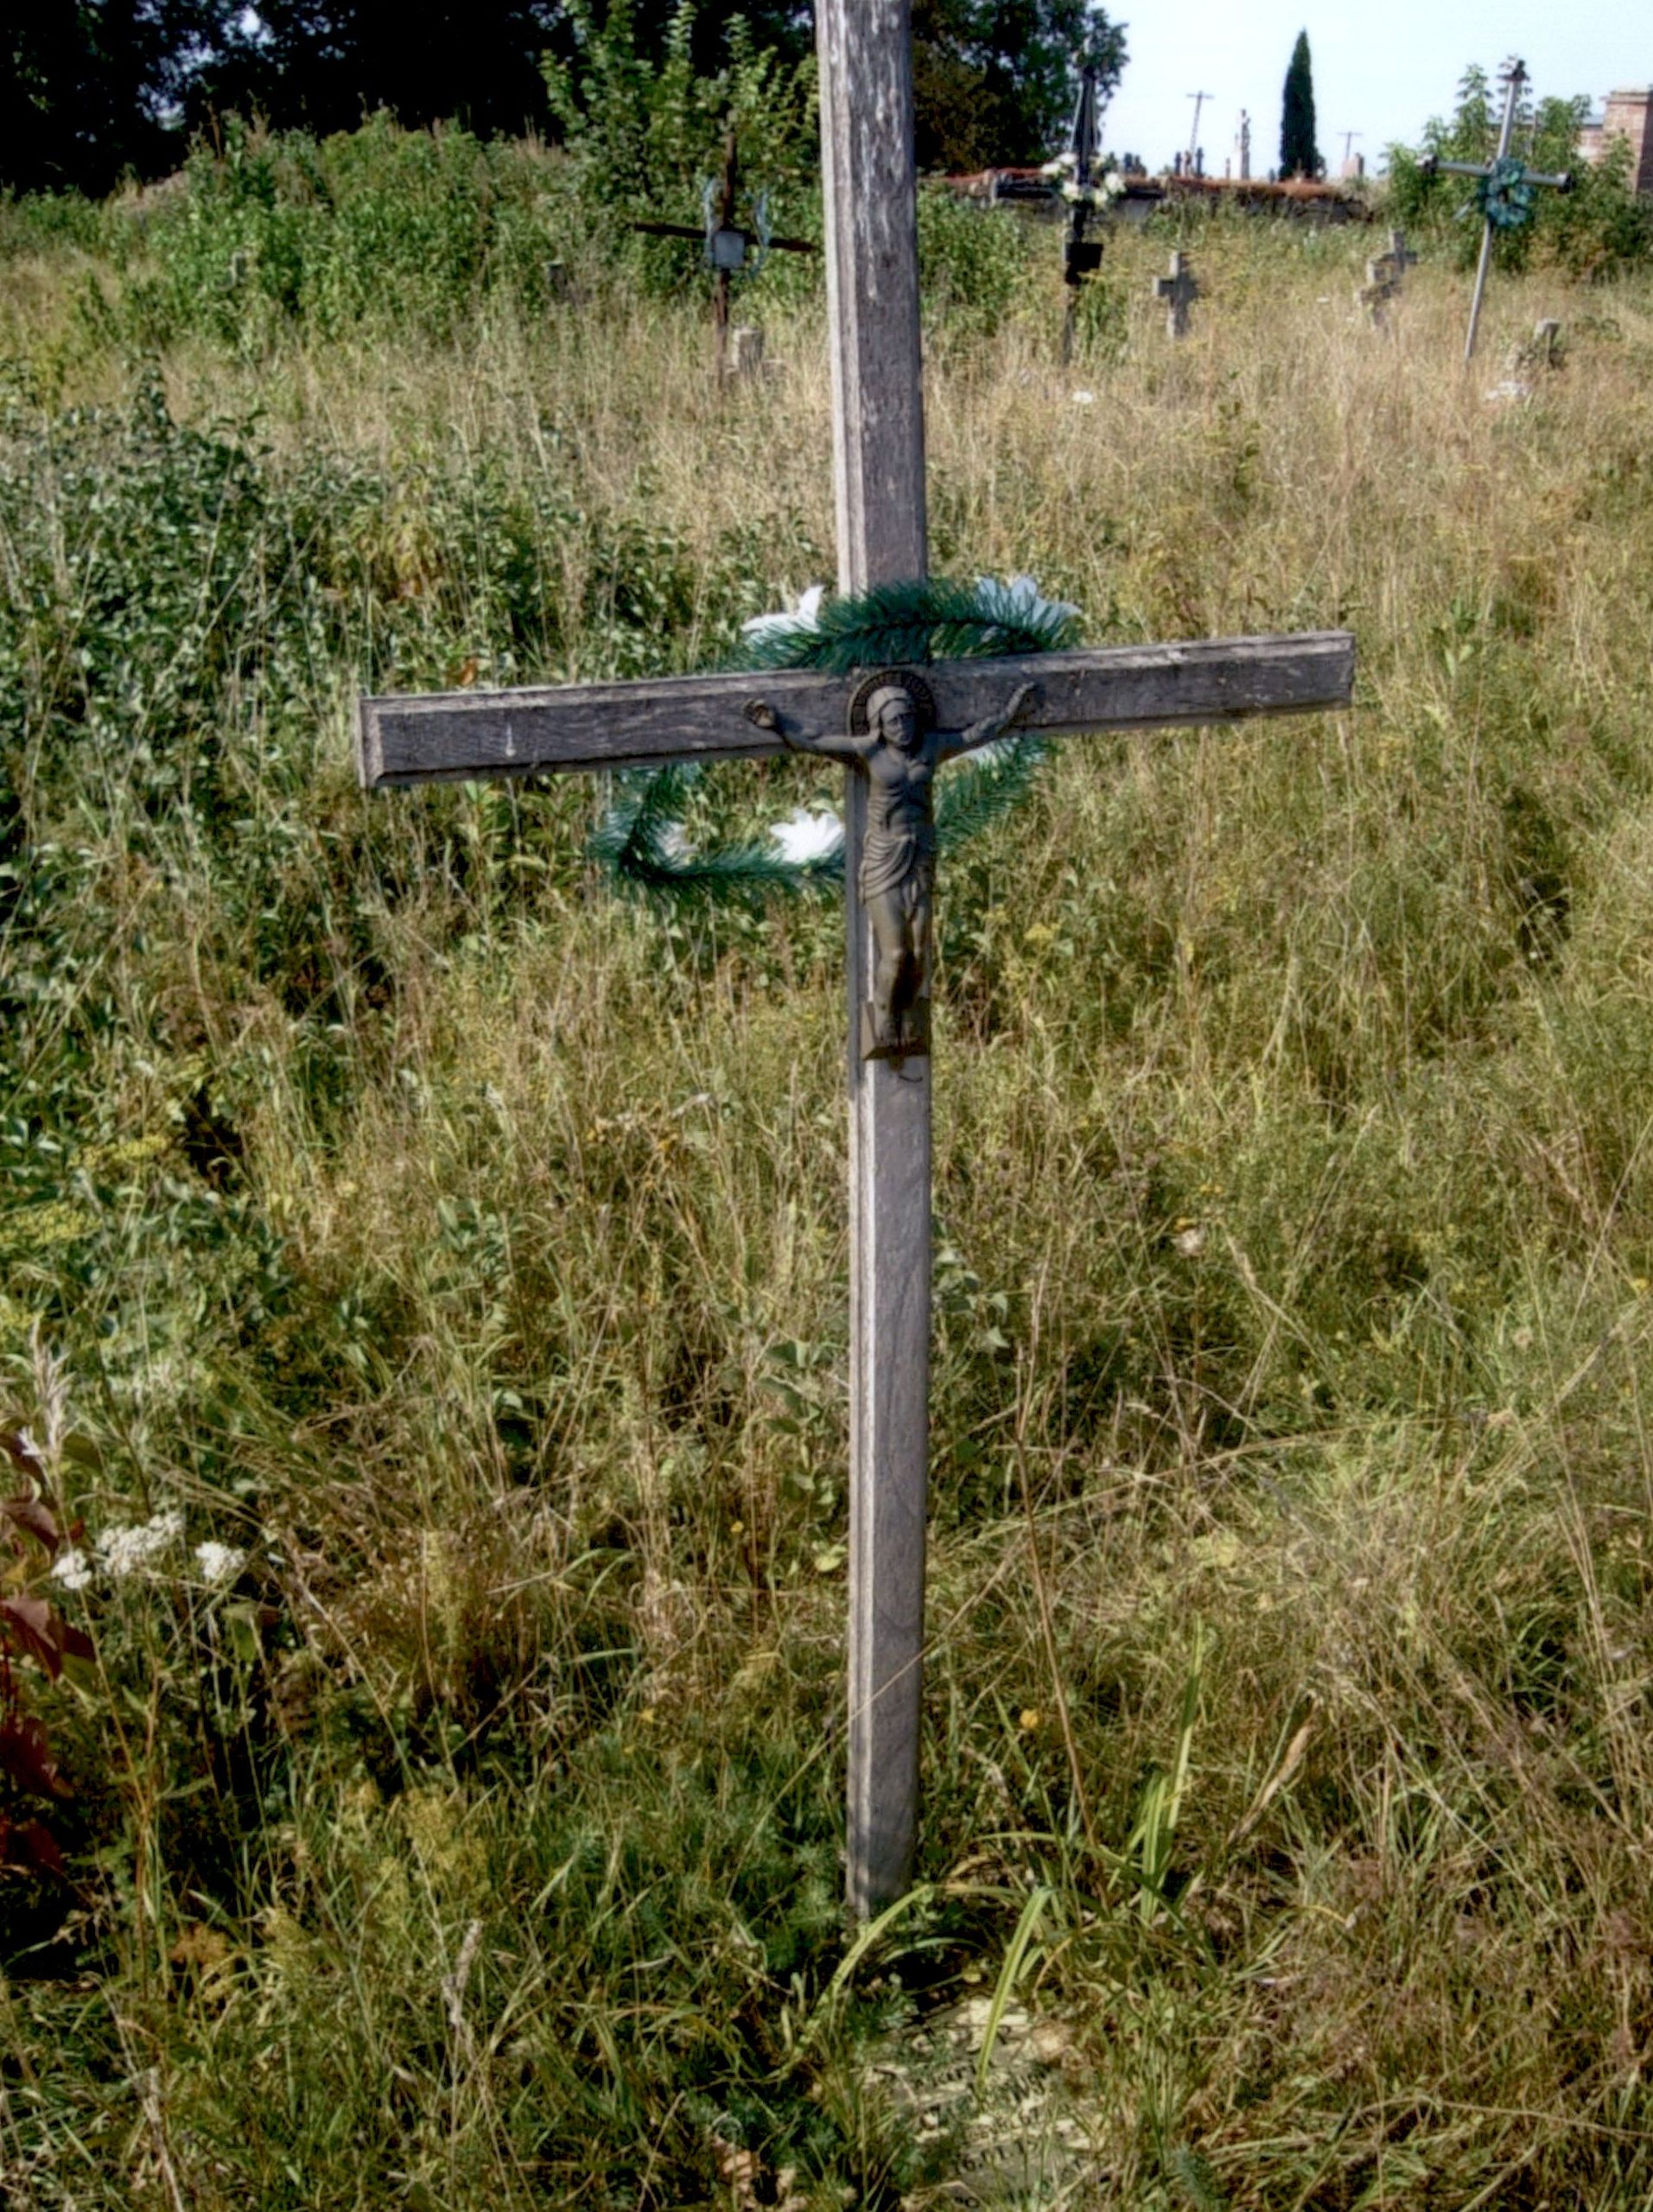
{"points": [[1178, 290], [892, 728], [1515, 78], [727, 245]]}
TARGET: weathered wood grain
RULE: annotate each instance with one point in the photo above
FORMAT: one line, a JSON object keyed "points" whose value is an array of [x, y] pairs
{"points": [[866, 55], [415, 739]]}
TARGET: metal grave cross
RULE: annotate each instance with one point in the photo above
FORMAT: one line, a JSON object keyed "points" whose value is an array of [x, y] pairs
{"points": [[727, 246], [893, 728], [1506, 182], [1178, 290]]}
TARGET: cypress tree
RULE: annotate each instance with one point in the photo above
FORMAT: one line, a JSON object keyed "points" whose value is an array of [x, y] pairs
{"points": [[1299, 154]]}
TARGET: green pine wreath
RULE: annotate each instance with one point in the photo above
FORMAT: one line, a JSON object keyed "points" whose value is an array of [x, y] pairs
{"points": [[639, 843], [1503, 196]]}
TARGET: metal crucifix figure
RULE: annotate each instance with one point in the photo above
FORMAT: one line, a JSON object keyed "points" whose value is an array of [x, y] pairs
{"points": [[892, 738]]}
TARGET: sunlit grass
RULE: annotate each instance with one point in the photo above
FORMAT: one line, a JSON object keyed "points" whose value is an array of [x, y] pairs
{"points": [[471, 1249]]}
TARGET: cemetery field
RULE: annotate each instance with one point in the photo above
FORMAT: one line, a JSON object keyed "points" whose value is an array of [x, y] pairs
{"points": [[422, 1271]]}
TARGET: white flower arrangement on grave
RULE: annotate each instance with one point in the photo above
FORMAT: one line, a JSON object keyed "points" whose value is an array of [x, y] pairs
{"points": [[642, 844]]}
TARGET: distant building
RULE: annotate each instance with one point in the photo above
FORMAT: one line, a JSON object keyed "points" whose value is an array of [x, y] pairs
{"points": [[1628, 114]]}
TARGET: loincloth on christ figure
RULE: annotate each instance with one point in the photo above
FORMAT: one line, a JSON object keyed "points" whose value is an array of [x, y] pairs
{"points": [[899, 858]]}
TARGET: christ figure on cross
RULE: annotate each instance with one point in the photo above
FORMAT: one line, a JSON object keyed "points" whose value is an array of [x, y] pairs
{"points": [[893, 740]]}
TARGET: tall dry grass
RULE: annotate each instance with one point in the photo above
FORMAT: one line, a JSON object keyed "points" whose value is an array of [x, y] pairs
{"points": [[469, 1249]]}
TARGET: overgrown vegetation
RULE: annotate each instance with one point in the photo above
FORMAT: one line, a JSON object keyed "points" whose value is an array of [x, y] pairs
{"points": [[1596, 228], [422, 1296]]}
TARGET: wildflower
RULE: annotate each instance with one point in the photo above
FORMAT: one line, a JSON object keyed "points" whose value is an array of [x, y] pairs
{"points": [[1030, 1718], [121, 1551], [1083, 398], [808, 835], [218, 1562], [73, 1569], [800, 616]]}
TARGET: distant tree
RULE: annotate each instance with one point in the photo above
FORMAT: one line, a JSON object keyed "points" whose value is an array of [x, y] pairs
{"points": [[1299, 154], [90, 89], [994, 81]]}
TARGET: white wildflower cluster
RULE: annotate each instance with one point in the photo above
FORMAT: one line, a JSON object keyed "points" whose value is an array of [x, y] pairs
{"points": [[121, 1552], [218, 1562]]}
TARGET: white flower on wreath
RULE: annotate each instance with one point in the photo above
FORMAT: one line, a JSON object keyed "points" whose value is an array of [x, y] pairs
{"points": [[1021, 598], [800, 616], [810, 834]]}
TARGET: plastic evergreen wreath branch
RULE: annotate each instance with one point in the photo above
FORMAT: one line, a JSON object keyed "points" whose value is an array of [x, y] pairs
{"points": [[639, 843], [1503, 195]]}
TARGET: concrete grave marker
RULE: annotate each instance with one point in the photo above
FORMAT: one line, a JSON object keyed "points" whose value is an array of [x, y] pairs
{"points": [[1178, 291], [893, 728]]}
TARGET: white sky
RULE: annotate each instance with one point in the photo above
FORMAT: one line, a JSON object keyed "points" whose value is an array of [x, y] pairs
{"points": [[1383, 71]]}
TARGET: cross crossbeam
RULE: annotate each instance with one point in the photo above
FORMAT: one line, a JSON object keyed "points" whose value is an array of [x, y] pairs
{"points": [[427, 737]]}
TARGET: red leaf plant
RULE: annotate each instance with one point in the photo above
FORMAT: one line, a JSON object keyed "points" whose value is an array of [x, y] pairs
{"points": [[31, 1630]]}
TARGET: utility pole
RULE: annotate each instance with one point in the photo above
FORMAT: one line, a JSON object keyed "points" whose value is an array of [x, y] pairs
{"points": [[1200, 100]]}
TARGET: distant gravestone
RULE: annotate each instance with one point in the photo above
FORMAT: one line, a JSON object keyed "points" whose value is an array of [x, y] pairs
{"points": [[1385, 274], [1382, 285], [746, 351], [1178, 291]]}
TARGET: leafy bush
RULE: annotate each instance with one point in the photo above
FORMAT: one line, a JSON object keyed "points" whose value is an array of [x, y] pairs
{"points": [[1597, 229]]}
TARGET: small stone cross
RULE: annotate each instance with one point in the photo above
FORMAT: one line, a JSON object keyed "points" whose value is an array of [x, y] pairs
{"points": [[893, 728], [1399, 255], [1178, 290]]}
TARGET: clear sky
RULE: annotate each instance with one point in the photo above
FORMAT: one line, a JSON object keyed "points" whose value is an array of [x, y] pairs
{"points": [[1381, 70]]}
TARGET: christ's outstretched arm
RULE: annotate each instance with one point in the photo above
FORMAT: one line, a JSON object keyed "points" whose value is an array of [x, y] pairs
{"points": [[954, 742], [847, 747]]}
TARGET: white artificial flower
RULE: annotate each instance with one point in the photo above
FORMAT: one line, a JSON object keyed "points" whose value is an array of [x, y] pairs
{"points": [[801, 616], [218, 1562], [73, 1569], [121, 1551], [1025, 602], [808, 835]]}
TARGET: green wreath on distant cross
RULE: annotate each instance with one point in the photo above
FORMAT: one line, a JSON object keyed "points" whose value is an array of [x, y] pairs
{"points": [[1503, 195], [639, 844]]}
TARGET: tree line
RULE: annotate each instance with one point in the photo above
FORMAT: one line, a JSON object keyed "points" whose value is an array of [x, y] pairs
{"points": [[94, 90]]}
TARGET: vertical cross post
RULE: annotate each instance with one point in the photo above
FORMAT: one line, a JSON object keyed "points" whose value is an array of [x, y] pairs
{"points": [[878, 454]]}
